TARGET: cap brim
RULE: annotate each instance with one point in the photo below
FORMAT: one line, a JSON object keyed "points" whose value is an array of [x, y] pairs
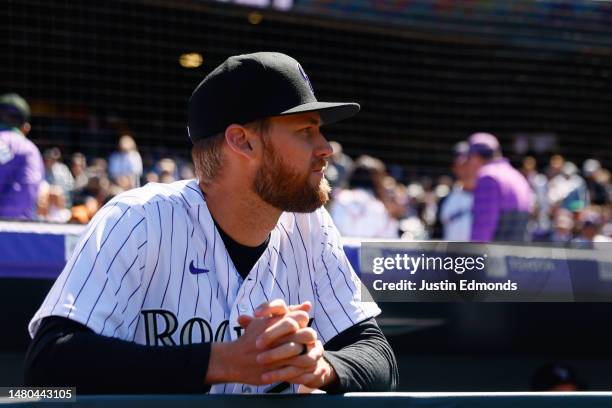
{"points": [[331, 112]]}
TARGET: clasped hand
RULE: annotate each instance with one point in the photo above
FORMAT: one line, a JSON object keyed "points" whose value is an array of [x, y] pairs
{"points": [[276, 345]]}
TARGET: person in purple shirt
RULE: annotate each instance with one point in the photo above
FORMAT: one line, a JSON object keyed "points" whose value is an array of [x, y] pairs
{"points": [[21, 165], [502, 196]]}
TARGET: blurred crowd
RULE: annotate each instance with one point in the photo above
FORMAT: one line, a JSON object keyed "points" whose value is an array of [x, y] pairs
{"points": [[483, 198], [54, 188], [74, 188]]}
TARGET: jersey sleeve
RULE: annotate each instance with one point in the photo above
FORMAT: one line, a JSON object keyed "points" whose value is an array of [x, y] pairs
{"points": [[35, 169], [338, 297], [103, 274]]}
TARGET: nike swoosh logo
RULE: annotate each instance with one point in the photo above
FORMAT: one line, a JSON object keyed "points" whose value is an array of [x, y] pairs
{"points": [[195, 270]]}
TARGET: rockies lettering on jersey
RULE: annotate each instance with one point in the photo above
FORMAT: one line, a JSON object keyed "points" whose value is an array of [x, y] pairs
{"points": [[151, 268]]}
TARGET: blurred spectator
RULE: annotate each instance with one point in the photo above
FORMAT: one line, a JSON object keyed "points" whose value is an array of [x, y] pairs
{"points": [[42, 200], [126, 162], [112, 192], [186, 171], [592, 172], [607, 229], [359, 211], [605, 178], [567, 189], [338, 167], [52, 204], [98, 167], [98, 187], [529, 167], [148, 162], [590, 225], [502, 196], [83, 213], [21, 165], [554, 166], [563, 227], [151, 177], [556, 377], [429, 206], [413, 226], [539, 185], [167, 170], [78, 167], [578, 197], [394, 197], [57, 173], [124, 182], [442, 191], [456, 209]]}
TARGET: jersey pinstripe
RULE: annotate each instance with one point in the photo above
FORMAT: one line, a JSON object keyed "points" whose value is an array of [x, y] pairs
{"points": [[151, 268]]}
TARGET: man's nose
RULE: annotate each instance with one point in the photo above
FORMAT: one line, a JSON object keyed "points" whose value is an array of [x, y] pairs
{"points": [[323, 148]]}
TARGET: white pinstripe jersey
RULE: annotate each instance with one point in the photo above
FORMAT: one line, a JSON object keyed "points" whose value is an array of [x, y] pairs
{"points": [[151, 268]]}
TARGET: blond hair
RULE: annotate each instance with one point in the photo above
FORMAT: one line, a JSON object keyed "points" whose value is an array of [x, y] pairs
{"points": [[207, 153]]}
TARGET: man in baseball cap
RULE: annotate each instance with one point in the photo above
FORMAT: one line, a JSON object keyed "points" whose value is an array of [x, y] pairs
{"points": [[502, 195], [21, 165], [244, 260], [251, 93], [456, 209], [259, 152]]}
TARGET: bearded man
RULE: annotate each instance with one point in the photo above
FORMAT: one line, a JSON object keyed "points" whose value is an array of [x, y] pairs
{"points": [[232, 283]]}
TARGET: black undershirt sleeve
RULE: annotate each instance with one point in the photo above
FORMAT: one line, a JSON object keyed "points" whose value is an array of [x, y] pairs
{"points": [[67, 353], [363, 360]]}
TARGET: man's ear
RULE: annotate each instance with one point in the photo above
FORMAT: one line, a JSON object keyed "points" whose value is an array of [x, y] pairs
{"points": [[238, 140]]}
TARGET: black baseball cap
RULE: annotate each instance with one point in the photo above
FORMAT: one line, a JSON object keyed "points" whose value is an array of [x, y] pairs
{"points": [[249, 87]]}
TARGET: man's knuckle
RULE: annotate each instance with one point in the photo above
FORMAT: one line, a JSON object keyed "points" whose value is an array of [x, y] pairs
{"points": [[292, 325], [311, 333], [280, 303], [301, 315]]}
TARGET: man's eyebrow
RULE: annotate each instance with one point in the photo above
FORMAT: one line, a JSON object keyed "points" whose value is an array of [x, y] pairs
{"points": [[313, 121]]}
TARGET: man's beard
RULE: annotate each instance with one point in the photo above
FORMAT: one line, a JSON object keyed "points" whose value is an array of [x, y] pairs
{"points": [[284, 188]]}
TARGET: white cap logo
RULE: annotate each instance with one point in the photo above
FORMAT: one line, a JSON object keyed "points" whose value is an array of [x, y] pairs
{"points": [[305, 76]]}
